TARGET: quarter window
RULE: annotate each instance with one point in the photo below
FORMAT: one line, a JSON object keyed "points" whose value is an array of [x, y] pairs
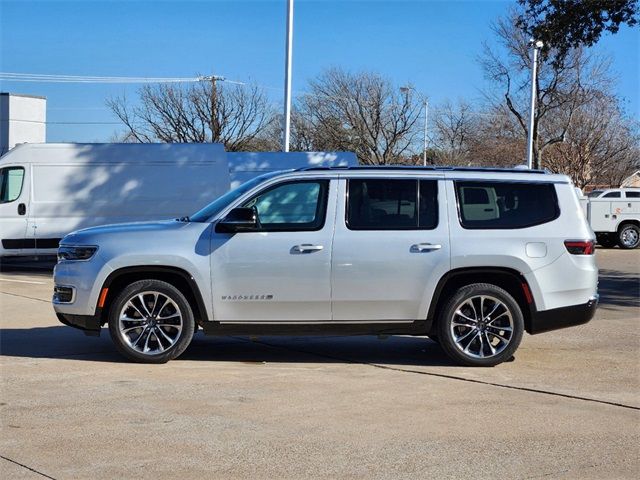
{"points": [[292, 206], [11, 179], [392, 204], [502, 205]]}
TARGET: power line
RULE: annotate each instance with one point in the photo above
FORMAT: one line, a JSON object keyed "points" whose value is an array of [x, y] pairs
{"points": [[60, 78], [55, 78]]}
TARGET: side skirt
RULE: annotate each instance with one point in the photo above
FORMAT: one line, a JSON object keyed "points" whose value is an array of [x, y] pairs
{"points": [[418, 327]]}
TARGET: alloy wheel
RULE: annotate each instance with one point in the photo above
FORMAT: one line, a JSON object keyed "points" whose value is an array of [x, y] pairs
{"points": [[481, 326], [150, 323]]}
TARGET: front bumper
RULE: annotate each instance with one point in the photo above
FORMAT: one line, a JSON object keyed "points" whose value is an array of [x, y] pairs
{"points": [[563, 317]]}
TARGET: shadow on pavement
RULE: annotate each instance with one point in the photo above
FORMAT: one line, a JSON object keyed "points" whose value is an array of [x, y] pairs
{"points": [[43, 264], [60, 342], [618, 289]]}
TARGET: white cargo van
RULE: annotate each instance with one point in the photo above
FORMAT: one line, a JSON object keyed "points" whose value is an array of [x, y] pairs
{"points": [[614, 215], [49, 190]]}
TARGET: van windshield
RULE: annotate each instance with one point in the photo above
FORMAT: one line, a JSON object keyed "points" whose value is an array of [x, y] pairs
{"points": [[595, 193], [221, 203]]}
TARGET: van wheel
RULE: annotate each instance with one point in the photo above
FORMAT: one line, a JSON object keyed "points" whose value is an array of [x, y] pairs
{"points": [[629, 236], [607, 240], [480, 326], [151, 321]]}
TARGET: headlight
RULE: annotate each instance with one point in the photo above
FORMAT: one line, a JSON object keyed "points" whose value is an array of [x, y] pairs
{"points": [[75, 252]]}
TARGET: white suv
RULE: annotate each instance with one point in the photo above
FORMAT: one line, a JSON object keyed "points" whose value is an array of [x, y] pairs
{"points": [[472, 258]]}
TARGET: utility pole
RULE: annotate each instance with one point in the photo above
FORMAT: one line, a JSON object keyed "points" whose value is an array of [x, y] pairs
{"points": [[213, 103], [537, 45], [287, 77]]}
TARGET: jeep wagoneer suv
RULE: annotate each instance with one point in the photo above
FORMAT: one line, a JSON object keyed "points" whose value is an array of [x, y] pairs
{"points": [[472, 258]]}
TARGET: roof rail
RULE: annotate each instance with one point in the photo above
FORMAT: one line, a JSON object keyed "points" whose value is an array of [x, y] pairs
{"points": [[426, 168]]}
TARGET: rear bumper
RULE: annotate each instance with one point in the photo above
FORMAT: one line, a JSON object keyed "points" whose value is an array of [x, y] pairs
{"points": [[89, 324], [563, 317]]}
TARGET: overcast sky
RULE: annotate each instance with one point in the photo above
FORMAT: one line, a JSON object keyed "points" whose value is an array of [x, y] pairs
{"points": [[433, 44]]}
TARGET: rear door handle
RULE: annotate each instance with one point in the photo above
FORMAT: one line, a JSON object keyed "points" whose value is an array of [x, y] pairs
{"points": [[306, 248], [425, 247]]}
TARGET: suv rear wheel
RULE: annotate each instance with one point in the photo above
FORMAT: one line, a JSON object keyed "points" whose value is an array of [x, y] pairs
{"points": [[481, 325], [629, 236], [151, 321]]}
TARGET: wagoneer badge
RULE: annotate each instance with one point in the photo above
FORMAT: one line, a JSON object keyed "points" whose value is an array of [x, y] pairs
{"points": [[247, 297]]}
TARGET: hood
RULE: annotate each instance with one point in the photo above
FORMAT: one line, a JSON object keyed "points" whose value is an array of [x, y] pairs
{"points": [[93, 234]]}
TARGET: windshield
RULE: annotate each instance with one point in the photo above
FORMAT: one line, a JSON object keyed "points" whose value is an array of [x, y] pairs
{"points": [[220, 203], [595, 193]]}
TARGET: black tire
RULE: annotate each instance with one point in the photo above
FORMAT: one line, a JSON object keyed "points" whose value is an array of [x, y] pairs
{"points": [[479, 353], [607, 240], [434, 337], [628, 236], [176, 324]]}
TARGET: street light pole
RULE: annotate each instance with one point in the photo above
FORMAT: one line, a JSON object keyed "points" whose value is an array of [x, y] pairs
{"points": [[287, 77], [537, 45], [426, 123]]}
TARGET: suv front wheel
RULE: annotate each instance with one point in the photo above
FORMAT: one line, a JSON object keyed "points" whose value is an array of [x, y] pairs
{"points": [[481, 325], [151, 321]]}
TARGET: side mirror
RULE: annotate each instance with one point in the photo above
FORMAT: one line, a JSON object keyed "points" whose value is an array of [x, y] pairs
{"points": [[241, 219]]}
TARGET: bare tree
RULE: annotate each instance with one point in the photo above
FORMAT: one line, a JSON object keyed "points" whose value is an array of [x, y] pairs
{"points": [[235, 115], [455, 127], [563, 85], [601, 145], [497, 140], [360, 112]]}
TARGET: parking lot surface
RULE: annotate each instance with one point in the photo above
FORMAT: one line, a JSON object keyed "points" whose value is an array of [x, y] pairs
{"points": [[319, 407]]}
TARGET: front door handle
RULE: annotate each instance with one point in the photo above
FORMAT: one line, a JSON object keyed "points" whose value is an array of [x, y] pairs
{"points": [[425, 247], [306, 248], [22, 209]]}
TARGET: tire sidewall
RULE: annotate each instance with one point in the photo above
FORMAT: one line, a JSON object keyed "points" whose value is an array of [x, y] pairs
{"points": [[622, 230], [188, 323], [446, 315]]}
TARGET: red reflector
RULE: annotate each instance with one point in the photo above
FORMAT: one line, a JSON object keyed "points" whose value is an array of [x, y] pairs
{"points": [[580, 247], [527, 293]]}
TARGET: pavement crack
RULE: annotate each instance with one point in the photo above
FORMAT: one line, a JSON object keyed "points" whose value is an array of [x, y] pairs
{"points": [[28, 468], [450, 377], [25, 296]]}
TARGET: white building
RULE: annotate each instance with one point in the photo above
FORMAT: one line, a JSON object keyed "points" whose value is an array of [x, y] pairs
{"points": [[22, 119]]}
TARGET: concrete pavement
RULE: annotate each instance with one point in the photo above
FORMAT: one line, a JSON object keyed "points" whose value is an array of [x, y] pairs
{"points": [[320, 407]]}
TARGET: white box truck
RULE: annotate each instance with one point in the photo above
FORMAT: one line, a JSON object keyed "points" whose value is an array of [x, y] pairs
{"points": [[614, 216], [48, 190]]}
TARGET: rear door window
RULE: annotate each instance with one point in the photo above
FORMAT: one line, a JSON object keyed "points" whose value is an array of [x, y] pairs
{"points": [[504, 205], [633, 194], [375, 204]]}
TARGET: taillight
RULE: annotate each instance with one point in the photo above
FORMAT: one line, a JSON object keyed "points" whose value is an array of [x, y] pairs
{"points": [[580, 247]]}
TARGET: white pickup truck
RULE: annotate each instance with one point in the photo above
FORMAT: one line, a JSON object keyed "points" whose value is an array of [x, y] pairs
{"points": [[614, 215]]}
